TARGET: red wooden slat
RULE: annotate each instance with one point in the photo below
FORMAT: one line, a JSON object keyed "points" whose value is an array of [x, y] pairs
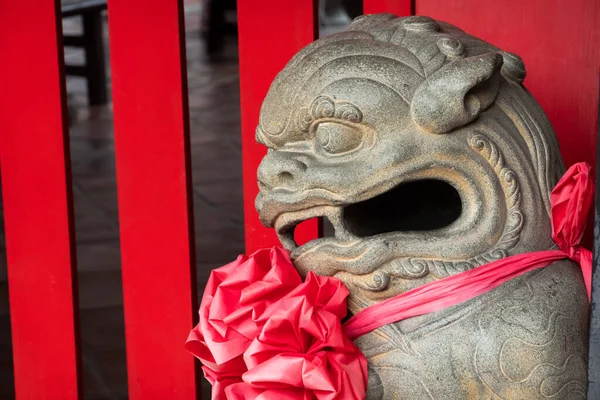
{"points": [[154, 187], [270, 33], [36, 187], [401, 8], [558, 42]]}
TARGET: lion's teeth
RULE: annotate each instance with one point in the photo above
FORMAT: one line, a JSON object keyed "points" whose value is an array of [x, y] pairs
{"points": [[287, 240], [286, 224], [337, 220]]}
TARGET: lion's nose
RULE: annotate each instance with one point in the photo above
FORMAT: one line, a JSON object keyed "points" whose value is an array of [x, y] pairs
{"points": [[280, 170]]}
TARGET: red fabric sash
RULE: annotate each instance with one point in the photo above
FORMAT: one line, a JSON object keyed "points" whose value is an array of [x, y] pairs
{"points": [[570, 204]]}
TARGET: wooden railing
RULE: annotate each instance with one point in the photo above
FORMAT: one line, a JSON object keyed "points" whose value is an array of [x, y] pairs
{"points": [[559, 44]]}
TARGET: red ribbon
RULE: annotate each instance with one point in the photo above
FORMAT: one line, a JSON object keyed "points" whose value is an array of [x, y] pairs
{"points": [[265, 334], [570, 203]]}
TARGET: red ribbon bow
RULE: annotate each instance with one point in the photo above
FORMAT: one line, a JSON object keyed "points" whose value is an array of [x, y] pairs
{"points": [[571, 200], [265, 334], [570, 203]]}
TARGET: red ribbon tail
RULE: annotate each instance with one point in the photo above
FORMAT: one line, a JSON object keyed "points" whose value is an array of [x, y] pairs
{"points": [[585, 261]]}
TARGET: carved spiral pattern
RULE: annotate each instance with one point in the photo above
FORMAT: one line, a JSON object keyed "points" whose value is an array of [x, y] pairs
{"points": [[461, 266], [512, 193], [379, 281], [322, 107], [349, 112], [413, 267], [405, 268], [450, 46], [497, 254], [447, 268], [327, 107], [376, 281]]}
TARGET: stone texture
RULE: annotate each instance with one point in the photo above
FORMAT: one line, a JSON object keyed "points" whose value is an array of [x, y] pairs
{"points": [[422, 147]]}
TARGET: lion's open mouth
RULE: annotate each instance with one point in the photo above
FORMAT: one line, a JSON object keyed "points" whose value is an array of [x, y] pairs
{"points": [[423, 205]]}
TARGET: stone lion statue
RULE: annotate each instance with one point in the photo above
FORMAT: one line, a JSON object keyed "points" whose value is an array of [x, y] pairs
{"points": [[420, 145]]}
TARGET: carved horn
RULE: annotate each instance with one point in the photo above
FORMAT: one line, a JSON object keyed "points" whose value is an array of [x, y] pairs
{"points": [[457, 93]]}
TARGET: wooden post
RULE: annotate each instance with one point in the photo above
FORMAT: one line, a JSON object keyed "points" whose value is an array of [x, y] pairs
{"points": [[154, 193], [270, 33], [401, 8], [38, 208], [594, 351]]}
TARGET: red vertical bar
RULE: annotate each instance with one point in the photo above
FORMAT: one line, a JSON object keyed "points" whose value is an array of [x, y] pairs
{"points": [[270, 33], [401, 8], [36, 188], [155, 208]]}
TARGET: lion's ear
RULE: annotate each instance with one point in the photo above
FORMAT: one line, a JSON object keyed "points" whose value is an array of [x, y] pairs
{"points": [[457, 93]]}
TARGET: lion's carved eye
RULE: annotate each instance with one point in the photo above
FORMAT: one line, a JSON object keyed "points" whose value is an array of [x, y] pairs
{"points": [[337, 138]]}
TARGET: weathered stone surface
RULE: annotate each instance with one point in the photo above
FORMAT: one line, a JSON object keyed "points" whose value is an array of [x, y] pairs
{"points": [[422, 147]]}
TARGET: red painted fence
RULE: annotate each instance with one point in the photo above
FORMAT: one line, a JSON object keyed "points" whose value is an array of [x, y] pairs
{"points": [[38, 212], [154, 191], [559, 44]]}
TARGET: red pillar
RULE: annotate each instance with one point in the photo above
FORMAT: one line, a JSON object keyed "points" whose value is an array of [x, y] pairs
{"points": [[38, 212], [270, 33], [154, 193], [401, 8]]}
